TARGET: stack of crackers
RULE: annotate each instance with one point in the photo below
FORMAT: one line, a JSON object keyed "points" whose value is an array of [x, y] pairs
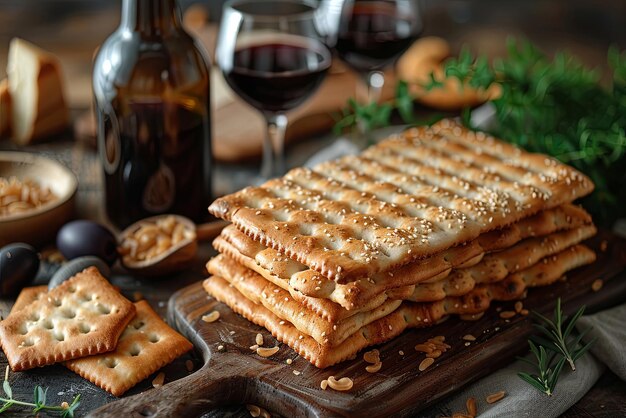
{"points": [[433, 222], [87, 325]]}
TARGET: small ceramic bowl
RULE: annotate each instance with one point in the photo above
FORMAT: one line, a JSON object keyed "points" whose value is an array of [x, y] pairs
{"points": [[39, 225]]}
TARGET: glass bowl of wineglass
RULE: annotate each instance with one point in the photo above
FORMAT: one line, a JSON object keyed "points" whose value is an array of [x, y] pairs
{"points": [[273, 55], [372, 34]]}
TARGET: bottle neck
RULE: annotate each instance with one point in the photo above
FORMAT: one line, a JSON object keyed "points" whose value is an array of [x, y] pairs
{"points": [[150, 17]]}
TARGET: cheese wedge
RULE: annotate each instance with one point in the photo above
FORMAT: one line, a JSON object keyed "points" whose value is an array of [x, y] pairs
{"points": [[35, 83], [5, 108]]}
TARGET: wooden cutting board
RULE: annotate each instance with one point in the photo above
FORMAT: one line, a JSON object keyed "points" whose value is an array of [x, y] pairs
{"points": [[233, 374]]}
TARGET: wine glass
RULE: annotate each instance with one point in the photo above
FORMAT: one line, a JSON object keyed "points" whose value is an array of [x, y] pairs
{"points": [[272, 55], [372, 34]]}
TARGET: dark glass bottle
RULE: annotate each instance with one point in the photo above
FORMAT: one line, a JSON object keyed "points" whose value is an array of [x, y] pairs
{"points": [[152, 88]]}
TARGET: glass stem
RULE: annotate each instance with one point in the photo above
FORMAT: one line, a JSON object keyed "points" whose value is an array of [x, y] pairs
{"points": [[274, 146], [375, 82]]}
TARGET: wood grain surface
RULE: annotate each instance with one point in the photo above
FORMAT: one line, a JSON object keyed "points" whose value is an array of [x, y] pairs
{"points": [[233, 374]]}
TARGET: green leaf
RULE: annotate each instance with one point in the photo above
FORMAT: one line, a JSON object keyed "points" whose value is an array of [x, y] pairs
{"points": [[6, 406], [581, 351], [40, 396], [548, 344], [7, 389], [572, 322], [69, 413], [533, 381]]}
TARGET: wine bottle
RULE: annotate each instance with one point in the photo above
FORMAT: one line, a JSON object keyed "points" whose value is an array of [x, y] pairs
{"points": [[152, 93]]}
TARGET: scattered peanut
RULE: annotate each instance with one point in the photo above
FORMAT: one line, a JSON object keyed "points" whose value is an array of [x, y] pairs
{"points": [[604, 245], [426, 363], [518, 306], [471, 317], [423, 348], [434, 354], [266, 352], [495, 397], [469, 337], [507, 314], [259, 339], [211, 317], [373, 368], [189, 365], [470, 405], [372, 356], [343, 384], [158, 380], [254, 410], [597, 285]]}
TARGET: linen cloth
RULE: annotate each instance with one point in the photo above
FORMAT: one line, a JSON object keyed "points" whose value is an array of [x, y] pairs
{"points": [[523, 400]]}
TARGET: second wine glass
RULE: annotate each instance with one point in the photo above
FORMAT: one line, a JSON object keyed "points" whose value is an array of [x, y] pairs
{"points": [[272, 55], [372, 34]]}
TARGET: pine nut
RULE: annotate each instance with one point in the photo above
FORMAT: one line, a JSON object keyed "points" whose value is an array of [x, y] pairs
{"points": [[470, 404], [211, 317], [266, 352], [426, 363], [507, 314], [495, 397]]}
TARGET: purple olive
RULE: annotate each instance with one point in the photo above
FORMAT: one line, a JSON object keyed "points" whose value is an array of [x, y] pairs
{"points": [[19, 264], [80, 238]]}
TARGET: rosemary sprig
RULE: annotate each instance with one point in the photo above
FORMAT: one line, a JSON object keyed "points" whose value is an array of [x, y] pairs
{"points": [[552, 105], [548, 376], [64, 410], [555, 347], [555, 337]]}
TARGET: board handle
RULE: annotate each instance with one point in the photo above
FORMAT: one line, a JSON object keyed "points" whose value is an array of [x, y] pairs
{"points": [[187, 397], [208, 231]]}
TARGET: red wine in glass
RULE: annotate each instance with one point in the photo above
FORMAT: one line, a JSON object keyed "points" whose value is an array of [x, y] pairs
{"points": [[372, 35], [277, 75], [272, 54]]}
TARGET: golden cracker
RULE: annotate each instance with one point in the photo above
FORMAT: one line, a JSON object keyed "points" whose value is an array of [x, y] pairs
{"points": [[83, 316], [146, 345], [406, 198], [408, 315]]}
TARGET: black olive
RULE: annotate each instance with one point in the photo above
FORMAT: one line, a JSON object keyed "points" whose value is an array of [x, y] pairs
{"points": [[80, 238], [19, 264]]}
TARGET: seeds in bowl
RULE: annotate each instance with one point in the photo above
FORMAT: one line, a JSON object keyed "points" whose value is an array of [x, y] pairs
{"points": [[151, 239], [17, 196]]}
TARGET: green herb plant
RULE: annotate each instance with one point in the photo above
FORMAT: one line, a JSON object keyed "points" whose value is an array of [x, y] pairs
{"points": [[555, 346], [39, 401], [553, 105]]}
